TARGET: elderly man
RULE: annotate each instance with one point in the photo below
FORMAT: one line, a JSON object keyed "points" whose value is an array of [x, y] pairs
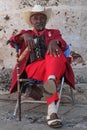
{"points": [[44, 60]]}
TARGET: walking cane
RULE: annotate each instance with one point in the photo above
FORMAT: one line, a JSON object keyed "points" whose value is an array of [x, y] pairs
{"points": [[18, 76]]}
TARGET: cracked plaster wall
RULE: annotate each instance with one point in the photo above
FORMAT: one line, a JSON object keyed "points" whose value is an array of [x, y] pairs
{"points": [[69, 16]]}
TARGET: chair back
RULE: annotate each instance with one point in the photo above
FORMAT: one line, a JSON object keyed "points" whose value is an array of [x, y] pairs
{"points": [[67, 51]]}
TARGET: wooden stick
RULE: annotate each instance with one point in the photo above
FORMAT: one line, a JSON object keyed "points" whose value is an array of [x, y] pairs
{"points": [[21, 57], [18, 86], [18, 76]]}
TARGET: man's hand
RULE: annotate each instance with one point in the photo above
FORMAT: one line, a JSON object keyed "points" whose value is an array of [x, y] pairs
{"points": [[53, 48], [29, 41]]}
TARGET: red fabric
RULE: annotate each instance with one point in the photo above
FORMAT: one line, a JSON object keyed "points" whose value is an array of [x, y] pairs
{"points": [[49, 35], [54, 97], [42, 69], [69, 75]]}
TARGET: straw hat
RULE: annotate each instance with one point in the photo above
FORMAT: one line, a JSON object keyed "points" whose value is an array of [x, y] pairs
{"points": [[35, 10]]}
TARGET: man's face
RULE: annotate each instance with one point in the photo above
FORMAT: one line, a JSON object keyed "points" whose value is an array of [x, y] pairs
{"points": [[38, 21]]}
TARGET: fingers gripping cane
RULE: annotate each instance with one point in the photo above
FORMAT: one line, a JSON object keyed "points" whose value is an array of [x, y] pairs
{"points": [[18, 77]]}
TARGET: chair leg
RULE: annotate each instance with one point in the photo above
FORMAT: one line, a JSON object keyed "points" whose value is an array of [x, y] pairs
{"points": [[60, 93], [16, 108], [26, 101], [72, 96]]}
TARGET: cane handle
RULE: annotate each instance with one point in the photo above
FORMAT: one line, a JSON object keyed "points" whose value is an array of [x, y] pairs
{"points": [[21, 57]]}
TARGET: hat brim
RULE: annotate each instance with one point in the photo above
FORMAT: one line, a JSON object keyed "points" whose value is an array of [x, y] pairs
{"points": [[28, 14]]}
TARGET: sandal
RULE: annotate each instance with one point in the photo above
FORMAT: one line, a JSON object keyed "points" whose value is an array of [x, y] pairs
{"points": [[53, 121]]}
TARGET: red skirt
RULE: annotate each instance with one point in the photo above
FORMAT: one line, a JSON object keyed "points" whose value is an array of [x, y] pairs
{"points": [[43, 68]]}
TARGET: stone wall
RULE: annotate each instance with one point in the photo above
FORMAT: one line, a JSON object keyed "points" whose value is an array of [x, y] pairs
{"points": [[69, 16]]}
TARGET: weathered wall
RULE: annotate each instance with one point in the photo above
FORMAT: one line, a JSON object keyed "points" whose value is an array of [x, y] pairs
{"points": [[68, 15]]}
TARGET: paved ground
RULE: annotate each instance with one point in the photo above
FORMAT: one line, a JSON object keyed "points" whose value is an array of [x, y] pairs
{"points": [[34, 116]]}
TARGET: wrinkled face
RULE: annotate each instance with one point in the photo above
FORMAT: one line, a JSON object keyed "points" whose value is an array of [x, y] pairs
{"points": [[38, 21]]}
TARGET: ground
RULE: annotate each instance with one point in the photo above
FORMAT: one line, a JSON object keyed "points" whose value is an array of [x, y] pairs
{"points": [[74, 116]]}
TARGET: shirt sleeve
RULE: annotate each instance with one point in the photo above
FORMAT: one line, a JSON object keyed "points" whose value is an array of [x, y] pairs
{"points": [[16, 38]]}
